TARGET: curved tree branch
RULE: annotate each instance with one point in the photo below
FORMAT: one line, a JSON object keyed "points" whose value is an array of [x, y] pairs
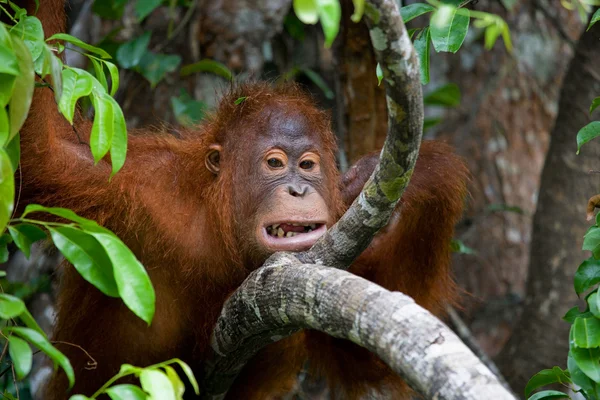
{"points": [[414, 343], [371, 210]]}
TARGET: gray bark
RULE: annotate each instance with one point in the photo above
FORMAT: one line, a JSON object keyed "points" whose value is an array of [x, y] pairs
{"points": [[540, 339], [414, 343]]}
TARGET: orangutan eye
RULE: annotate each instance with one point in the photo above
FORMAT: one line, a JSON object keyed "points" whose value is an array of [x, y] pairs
{"points": [[307, 164], [275, 163]]}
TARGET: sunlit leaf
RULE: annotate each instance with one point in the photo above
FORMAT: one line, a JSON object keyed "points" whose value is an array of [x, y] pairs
{"points": [[359, 9], [457, 246], [103, 127], [595, 18], [157, 384], [330, 14], [24, 235], [126, 392], [59, 212], [412, 11], [99, 72], [30, 31], [7, 189], [44, 345], [591, 241], [577, 375], [449, 28], [87, 256], [79, 43], [20, 355], [379, 74], [307, 11], [118, 146], [132, 279], [9, 66], [178, 386], [114, 76], [190, 375], [549, 394], [10, 306], [75, 86], [23, 88]]}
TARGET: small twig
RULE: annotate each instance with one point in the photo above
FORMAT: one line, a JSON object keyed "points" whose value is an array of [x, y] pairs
{"points": [[91, 364], [12, 367], [184, 21]]}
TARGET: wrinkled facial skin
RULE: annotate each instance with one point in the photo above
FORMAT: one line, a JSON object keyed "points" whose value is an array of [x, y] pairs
{"points": [[284, 209]]}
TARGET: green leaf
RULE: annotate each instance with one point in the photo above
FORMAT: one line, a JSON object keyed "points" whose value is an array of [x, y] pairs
{"points": [[30, 322], [44, 345], [132, 279], [595, 102], [87, 256], [187, 110], [130, 54], [330, 14], [178, 386], [79, 397], [114, 76], [421, 45], [79, 43], [359, 9], [109, 9], [412, 11], [157, 384], [573, 313], [99, 72], [306, 11], [154, 66], [592, 301], [5, 239], [431, 122], [143, 8], [294, 27], [118, 146], [587, 275], [103, 127], [9, 66], [457, 246], [7, 189], [240, 100], [29, 30], [21, 356], [379, 74], [10, 306], [75, 86], [446, 96], [549, 394], [4, 126], [546, 377], [586, 332], [577, 375], [23, 88], [126, 392], [449, 28], [588, 361], [24, 235], [190, 375], [211, 66], [587, 133], [319, 82], [595, 18], [509, 4], [59, 212], [591, 241]]}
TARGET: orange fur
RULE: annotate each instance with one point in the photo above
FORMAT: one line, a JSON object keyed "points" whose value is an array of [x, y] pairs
{"points": [[181, 221]]}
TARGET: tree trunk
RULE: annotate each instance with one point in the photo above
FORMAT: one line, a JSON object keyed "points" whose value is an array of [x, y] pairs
{"points": [[502, 127], [540, 339]]}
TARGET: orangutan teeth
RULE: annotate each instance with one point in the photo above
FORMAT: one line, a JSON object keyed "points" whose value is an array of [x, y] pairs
{"points": [[289, 234], [280, 233]]}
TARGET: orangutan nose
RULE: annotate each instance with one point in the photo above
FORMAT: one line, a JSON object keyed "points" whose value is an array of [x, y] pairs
{"points": [[298, 190]]}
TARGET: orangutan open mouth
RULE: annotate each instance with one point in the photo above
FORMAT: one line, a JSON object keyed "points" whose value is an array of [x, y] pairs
{"points": [[290, 229], [293, 236]]}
